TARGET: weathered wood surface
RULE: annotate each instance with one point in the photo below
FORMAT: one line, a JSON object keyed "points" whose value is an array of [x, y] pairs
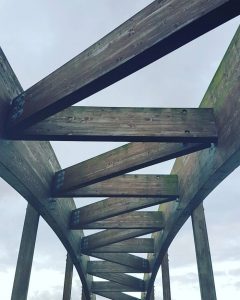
{"points": [[95, 267], [166, 278], [125, 259], [25, 255], [208, 168], [67, 289], [132, 220], [110, 236], [112, 207], [116, 296], [101, 286], [124, 279], [29, 167], [138, 245], [203, 255], [127, 124], [119, 161], [165, 186], [158, 29]]}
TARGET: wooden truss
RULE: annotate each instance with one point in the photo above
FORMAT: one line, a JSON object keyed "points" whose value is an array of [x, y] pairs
{"points": [[202, 139]]}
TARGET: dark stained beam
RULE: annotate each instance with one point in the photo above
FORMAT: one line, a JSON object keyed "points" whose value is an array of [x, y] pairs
{"points": [[111, 236], [95, 267], [125, 259], [138, 245], [116, 296], [111, 207], [164, 186], [124, 279], [67, 289], [132, 220], [158, 29], [124, 159], [79, 123], [166, 287], [102, 286]]}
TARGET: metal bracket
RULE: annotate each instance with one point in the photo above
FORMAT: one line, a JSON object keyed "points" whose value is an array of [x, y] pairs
{"points": [[17, 107]]}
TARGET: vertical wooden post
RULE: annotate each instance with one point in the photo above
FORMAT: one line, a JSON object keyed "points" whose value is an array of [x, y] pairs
{"points": [[68, 279], [152, 297], [166, 279], [204, 263], [25, 255], [83, 295]]}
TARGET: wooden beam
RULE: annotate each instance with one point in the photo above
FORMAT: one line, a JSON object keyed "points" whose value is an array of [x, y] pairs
{"points": [[25, 255], [132, 220], [208, 168], [111, 207], [158, 29], [95, 267], [111, 236], [127, 124], [67, 289], [138, 245], [203, 255], [116, 296], [123, 259], [164, 186], [106, 286], [166, 278], [119, 161], [124, 279]]}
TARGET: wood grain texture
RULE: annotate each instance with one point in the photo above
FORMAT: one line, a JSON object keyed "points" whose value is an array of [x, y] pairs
{"points": [[124, 159], [138, 245], [158, 29], [127, 124], [101, 286], [29, 167], [67, 288], [208, 168], [132, 220], [164, 186], [166, 288], [95, 267]]}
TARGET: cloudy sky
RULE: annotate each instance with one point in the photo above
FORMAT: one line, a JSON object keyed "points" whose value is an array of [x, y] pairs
{"points": [[40, 36]]}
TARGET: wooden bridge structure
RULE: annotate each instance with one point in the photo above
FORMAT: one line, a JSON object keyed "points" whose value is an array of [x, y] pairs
{"points": [[205, 142]]}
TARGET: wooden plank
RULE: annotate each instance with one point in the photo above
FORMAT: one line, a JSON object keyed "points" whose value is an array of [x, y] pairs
{"points": [[123, 259], [203, 255], [208, 168], [67, 289], [138, 245], [164, 186], [116, 296], [111, 236], [132, 220], [119, 161], [102, 286], [29, 168], [25, 255], [111, 207], [166, 278], [95, 267], [158, 29], [124, 279], [127, 124]]}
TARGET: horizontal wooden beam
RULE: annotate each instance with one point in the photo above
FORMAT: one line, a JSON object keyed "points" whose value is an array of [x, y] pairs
{"points": [[111, 207], [124, 279], [158, 29], [106, 286], [127, 124], [132, 220], [116, 296], [125, 259], [138, 245], [164, 186], [119, 161], [95, 267], [111, 236]]}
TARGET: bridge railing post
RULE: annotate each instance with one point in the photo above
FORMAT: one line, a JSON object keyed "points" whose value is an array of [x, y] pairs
{"points": [[166, 278], [68, 279]]}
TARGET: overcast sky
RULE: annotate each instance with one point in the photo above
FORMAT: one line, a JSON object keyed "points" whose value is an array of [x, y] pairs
{"points": [[40, 36]]}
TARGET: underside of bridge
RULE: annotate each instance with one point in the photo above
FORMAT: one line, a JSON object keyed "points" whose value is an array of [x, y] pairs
{"points": [[203, 140]]}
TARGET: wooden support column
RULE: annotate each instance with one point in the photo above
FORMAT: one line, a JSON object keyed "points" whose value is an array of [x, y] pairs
{"points": [[166, 279], [68, 279], [204, 263], [25, 255]]}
